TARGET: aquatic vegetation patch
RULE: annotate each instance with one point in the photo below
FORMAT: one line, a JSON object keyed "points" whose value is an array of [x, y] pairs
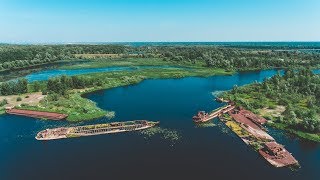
{"points": [[164, 133], [217, 93], [110, 114], [206, 125]]}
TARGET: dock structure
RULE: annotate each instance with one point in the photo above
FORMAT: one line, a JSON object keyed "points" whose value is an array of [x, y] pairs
{"points": [[37, 114], [205, 117]]}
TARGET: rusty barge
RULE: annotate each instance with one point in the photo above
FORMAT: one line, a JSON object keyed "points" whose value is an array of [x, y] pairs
{"points": [[37, 114], [97, 129], [249, 127]]}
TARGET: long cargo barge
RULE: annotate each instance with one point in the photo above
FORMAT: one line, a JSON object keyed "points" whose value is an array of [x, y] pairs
{"points": [[91, 130], [249, 127], [37, 114]]}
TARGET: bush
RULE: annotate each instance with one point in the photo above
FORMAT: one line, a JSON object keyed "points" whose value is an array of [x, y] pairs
{"points": [[3, 102], [53, 97], [44, 92], [272, 106], [24, 105], [19, 99]]}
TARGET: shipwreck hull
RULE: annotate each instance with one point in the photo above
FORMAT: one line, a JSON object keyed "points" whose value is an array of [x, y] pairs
{"points": [[92, 130]]}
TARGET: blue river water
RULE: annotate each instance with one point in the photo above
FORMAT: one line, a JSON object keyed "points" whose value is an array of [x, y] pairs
{"points": [[46, 74], [199, 153]]}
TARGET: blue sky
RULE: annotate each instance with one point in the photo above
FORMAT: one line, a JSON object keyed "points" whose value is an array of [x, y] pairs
{"points": [[40, 21]]}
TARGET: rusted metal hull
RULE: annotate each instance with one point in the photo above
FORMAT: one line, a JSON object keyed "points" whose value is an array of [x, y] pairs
{"points": [[269, 149], [282, 160], [37, 114], [91, 130]]}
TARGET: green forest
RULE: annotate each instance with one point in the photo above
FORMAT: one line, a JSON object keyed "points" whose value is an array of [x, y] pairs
{"points": [[233, 58], [19, 86]]}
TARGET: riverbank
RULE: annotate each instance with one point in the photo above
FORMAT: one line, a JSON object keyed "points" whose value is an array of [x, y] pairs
{"points": [[9, 74], [301, 134]]}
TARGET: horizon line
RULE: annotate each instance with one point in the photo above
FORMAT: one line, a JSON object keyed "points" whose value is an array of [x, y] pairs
{"points": [[121, 42]]}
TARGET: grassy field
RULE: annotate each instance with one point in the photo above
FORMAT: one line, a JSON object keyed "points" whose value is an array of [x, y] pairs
{"points": [[98, 56], [103, 62], [92, 56]]}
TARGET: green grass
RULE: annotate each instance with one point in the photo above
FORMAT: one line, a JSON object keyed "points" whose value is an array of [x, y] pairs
{"points": [[103, 62], [77, 108], [301, 134], [2, 111]]}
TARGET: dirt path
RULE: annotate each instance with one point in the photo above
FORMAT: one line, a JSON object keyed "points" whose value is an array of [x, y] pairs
{"points": [[30, 98], [276, 112]]}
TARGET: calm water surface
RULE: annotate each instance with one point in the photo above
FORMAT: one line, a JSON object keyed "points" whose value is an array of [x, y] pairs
{"points": [[199, 153], [46, 74]]}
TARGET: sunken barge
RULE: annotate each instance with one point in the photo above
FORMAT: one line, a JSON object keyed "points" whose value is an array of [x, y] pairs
{"points": [[250, 128], [91, 130]]}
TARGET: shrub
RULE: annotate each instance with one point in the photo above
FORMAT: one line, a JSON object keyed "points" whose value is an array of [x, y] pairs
{"points": [[24, 105], [44, 92], [272, 106], [53, 97], [19, 99], [3, 102]]}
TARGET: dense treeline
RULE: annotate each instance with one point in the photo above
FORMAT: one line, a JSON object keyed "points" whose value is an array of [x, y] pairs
{"points": [[17, 56], [60, 85], [19, 86], [20, 56], [233, 58], [298, 92]]}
